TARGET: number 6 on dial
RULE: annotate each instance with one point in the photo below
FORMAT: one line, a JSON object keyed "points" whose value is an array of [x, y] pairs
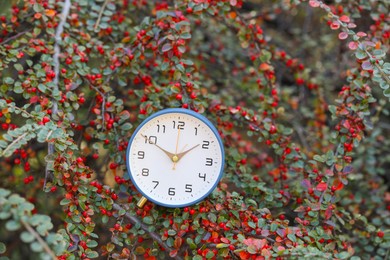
{"points": [[175, 158]]}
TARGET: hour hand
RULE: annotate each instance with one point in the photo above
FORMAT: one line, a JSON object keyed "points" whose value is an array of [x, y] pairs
{"points": [[169, 154]]}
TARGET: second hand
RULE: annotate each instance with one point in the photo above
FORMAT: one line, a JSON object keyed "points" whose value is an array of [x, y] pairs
{"points": [[175, 158]]}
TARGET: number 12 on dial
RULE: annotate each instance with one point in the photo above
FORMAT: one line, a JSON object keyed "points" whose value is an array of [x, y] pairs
{"points": [[175, 158]]}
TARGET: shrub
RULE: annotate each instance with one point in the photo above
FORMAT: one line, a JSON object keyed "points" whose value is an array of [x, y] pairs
{"points": [[298, 91]]}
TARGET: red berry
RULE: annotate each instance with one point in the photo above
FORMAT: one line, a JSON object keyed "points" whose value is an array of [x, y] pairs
{"points": [[272, 129], [380, 234], [113, 166], [45, 120]]}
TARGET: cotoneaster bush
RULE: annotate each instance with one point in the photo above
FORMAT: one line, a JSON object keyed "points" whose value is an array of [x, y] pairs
{"points": [[299, 91]]}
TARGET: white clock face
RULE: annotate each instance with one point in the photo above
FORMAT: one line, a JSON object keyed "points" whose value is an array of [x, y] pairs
{"points": [[175, 158]]}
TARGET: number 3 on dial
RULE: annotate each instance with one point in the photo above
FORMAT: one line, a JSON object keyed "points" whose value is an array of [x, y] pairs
{"points": [[175, 158]]}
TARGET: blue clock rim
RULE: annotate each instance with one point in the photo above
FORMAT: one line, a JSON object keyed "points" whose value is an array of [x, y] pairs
{"points": [[183, 111]]}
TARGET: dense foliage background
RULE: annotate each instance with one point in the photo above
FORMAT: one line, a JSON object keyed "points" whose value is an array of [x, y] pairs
{"points": [[298, 90]]}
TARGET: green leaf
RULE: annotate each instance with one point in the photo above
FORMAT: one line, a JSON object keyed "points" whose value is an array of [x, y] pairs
{"points": [[42, 88], [265, 56], [126, 126], [18, 67], [166, 47], [105, 219], [185, 35], [3, 248], [148, 220], [92, 254], [9, 80], [172, 232], [210, 254], [64, 202], [273, 227], [222, 245], [343, 255], [332, 109], [27, 237], [4, 193], [212, 217], [36, 247], [292, 237], [319, 158], [5, 215], [92, 243], [12, 225]]}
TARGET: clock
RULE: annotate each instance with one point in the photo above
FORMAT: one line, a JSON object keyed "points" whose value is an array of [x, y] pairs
{"points": [[175, 158]]}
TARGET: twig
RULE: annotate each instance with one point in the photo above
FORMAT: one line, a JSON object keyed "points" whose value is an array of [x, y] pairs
{"points": [[255, 236], [14, 142], [22, 111], [103, 103], [40, 240], [14, 37], [332, 170], [57, 49], [56, 61], [154, 236], [101, 14]]}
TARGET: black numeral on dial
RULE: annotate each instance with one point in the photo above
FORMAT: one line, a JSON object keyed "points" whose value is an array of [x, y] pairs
{"points": [[145, 172], [178, 125], [150, 139], [157, 183], [205, 144], [189, 188], [141, 155], [161, 128], [209, 161], [202, 176], [171, 192]]}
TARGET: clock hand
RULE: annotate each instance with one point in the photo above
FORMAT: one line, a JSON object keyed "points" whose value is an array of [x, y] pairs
{"points": [[169, 154], [180, 155], [174, 157]]}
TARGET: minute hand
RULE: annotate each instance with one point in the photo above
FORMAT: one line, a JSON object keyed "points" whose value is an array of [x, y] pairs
{"points": [[180, 155]]}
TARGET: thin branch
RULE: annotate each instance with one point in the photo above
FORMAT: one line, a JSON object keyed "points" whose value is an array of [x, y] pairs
{"points": [[255, 236], [14, 37], [103, 104], [56, 61], [39, 239], [101, 14], [336, 154], [384, 75], [134, 220], [57, 49], [22, 111], [14, 142]]}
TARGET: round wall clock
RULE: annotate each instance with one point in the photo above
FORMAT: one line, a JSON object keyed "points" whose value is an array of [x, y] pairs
{"points": [[175, 158]]}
